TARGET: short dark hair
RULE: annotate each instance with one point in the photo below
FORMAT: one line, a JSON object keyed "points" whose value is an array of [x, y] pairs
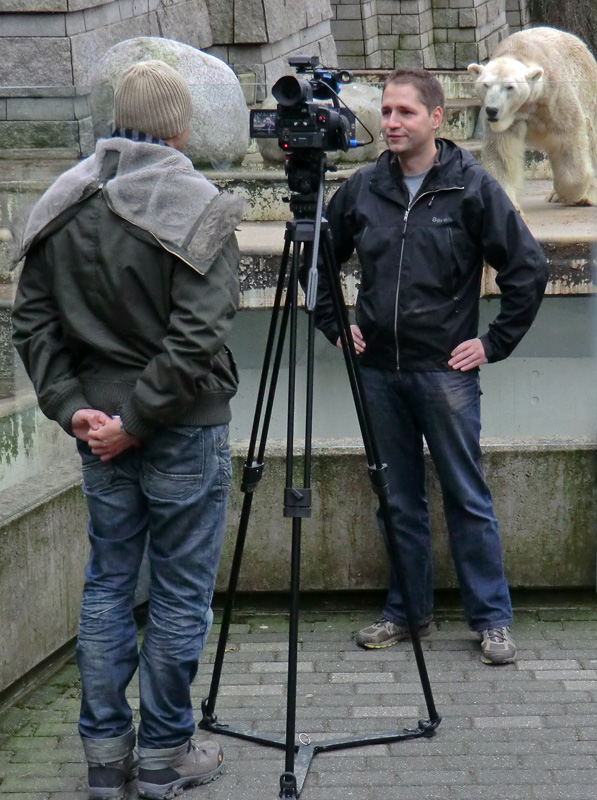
{"points": [[427, 85]]}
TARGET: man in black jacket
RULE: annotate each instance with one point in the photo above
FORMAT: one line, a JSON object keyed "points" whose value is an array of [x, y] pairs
{"points": [[423, 219], [126, 298]]}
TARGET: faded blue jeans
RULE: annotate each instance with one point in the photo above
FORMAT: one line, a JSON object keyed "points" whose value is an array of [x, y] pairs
{"points": [[173, 491], [443, 407]]}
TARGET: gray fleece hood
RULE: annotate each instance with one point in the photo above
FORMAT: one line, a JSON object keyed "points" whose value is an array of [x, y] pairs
{"points": [[150, 185]]}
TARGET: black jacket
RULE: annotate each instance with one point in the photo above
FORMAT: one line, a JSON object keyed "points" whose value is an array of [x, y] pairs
{"points": [[422, 266], [106, 318]]}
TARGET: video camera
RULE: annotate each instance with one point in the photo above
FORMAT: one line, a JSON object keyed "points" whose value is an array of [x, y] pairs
{"points": [[299, 123]]}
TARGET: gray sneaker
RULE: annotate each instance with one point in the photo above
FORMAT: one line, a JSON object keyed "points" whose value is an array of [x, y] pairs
{"points": [[497, 646], [163, 774], [384, 633]]}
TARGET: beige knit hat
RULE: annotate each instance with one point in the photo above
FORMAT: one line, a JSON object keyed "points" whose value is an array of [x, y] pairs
{"points": [[153, 98]]}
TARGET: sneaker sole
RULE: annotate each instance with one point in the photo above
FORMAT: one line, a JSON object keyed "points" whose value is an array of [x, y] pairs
{"points": [[390, 642], [498, 663], [167, 791]]}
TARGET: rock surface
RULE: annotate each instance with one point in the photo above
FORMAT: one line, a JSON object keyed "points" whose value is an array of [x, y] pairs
{"points": [[220, 123]]}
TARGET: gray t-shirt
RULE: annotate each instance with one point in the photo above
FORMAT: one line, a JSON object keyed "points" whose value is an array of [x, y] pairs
{"points": [[413, 183]]}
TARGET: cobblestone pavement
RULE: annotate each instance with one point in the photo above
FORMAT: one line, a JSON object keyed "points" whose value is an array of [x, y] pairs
{"points": [[525, 731]]}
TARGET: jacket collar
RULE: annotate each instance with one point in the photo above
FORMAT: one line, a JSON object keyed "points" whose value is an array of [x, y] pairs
{"points": [[447, 172]]}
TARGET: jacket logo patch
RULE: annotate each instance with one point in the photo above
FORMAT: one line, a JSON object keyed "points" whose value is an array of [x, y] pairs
{"points": [[439, 219]]}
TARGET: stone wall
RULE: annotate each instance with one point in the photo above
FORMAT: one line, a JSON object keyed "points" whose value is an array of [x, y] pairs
{"points": [[51, 47], [545, 499], [434, 34]]}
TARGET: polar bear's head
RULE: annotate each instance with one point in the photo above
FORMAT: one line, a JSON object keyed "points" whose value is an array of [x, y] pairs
{"points": [[504, 85]]}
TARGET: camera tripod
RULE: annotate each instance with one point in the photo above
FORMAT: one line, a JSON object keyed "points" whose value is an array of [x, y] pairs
{"points": [[305, 231]]}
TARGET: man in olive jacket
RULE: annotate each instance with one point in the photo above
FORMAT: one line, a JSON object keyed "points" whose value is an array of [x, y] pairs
{"points": [[126, 298], [423, 219]]}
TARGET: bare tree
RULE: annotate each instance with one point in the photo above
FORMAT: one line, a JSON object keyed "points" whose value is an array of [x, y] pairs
{"points": [[578, 17]]}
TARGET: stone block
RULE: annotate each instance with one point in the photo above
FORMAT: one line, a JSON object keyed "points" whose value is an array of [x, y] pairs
{"points": [[440, 4], [82, 107], [133, 8], [513, 20], [35, 62], [482, 50], [440, 35], [386, 59], [86, 137], [408, 42], [445, 18], [55, 108], [461, 34], [464, 54], [75, 23], [373, 61], [247, 82], [467, 18], [384, 23], [370, 27], [371, 45], [389, 42], [351, 62], [249, 22], [429, 59], [34, 6], [369, 10], [481, 16], [352, 11], [351, 48], [33, 25], [2, 109], [101, 16], [405, 23], [347, 29], [22, 135], [408, 58], [445, 56], [81, 5], [186, 22], [426, 20], [221, 20]]}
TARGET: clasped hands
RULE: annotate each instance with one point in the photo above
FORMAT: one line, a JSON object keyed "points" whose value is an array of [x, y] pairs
{"points": [[102, 433]]}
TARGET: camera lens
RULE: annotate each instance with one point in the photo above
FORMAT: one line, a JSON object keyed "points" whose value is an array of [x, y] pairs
{"points": [[289, 91]]}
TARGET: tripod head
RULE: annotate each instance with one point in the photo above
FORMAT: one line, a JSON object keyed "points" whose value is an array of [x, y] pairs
{"points": [[305, 171]]}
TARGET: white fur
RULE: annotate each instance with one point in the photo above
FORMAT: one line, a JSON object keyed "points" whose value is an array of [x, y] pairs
{"points": [[539, 92]]}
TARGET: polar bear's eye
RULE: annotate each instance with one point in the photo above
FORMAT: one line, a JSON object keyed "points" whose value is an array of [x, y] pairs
{"points": [[510, 88]]}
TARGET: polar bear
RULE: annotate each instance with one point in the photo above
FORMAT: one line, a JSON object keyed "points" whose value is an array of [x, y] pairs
{"points": [[539, 92]]}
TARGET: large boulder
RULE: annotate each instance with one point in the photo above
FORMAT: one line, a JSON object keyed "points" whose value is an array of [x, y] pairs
{"points": [[220, 122], [364, 101]]}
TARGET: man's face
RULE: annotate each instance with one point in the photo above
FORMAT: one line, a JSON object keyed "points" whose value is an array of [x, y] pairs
{"points": [[406, 125]]}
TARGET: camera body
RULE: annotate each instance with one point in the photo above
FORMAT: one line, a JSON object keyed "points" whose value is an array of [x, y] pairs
{"points": [[299, 123]]}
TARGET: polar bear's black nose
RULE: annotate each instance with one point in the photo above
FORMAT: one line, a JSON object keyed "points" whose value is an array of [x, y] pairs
{"points": [[491, 112]]}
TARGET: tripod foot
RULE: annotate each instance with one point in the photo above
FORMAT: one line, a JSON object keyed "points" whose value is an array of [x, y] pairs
{"points": [[288, 786], [426, 727]]}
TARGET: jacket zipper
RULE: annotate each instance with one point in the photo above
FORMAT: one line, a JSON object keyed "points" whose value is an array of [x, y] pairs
{"points": [[405, 220]]}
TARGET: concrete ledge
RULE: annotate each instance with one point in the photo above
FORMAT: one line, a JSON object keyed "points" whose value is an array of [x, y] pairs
{"points": [[545, 498]]}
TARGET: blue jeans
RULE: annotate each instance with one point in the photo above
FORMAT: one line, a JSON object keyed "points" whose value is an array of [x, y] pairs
{"points": [[173, 491], [443, 407]]}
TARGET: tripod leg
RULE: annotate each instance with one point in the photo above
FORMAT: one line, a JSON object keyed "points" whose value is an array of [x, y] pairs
{"points": [[251, 477], [377, 470]]}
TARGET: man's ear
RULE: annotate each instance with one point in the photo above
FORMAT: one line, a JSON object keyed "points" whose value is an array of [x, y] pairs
{"points": [[436, 116]]}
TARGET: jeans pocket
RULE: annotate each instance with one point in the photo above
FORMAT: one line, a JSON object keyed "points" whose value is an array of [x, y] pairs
{"points": [[164, 485], [97, 475]]}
